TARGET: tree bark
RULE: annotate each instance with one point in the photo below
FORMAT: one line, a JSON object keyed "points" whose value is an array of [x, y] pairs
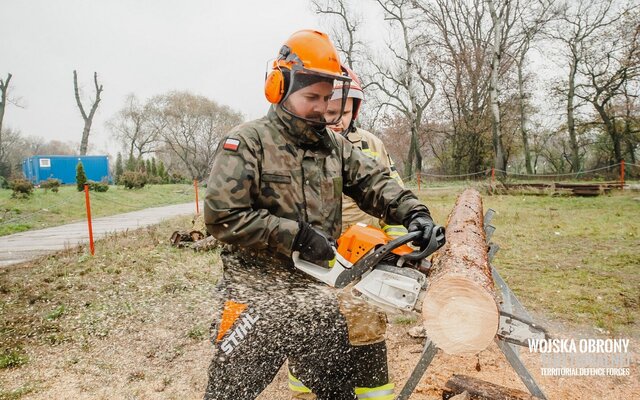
{"points": [[523, 115], [88, 119], [571, 125], [499, 158], [4, 88], [460, 312]]}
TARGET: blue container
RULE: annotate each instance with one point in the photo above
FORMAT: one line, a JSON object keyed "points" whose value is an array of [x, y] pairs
{"points": [[40, 168]]}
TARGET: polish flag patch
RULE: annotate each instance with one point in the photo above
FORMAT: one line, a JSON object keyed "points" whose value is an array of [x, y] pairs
{"points": [[231, 144]]}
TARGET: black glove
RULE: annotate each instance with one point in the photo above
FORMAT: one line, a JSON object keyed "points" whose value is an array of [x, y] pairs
{"points": [[420, 221], [314, 244]]}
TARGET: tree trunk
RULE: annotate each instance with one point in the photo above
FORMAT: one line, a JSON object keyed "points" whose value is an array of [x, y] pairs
{"points": [[408, 166], [4, 88], [416, 148], [499, 157], [459, 312], [479, 389], [610, 126], [523, 117], [571, 125]]}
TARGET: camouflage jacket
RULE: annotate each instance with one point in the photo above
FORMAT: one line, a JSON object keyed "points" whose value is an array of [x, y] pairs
{"points": [[270, 173], [373, 147]]}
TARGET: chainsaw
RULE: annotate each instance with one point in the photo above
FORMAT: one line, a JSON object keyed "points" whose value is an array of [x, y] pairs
{"points": [[389, 274]]}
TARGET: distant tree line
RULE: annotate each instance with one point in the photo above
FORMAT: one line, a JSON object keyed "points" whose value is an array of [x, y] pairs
{"points": [[526, 86], [180, 130]]}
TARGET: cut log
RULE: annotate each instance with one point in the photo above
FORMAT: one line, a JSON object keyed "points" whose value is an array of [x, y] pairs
{"points": [[482, 390], [460, 312]]}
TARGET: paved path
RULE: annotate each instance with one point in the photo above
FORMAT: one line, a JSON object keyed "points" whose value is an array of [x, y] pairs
{"points": [[24, 246]]}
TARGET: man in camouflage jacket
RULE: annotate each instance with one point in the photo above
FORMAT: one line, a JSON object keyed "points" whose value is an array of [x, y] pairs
{"points": [[275, 187]]}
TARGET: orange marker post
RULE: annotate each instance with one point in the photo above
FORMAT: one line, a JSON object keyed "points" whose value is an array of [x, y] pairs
{"points": [[88, 203], [622, 175], [418, 180], [195, 185]]}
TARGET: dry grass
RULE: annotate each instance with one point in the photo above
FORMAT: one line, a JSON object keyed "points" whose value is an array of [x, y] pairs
{"points": [[132, 316], [133, 321]]}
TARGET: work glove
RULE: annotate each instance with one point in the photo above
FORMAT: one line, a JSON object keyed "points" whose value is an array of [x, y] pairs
{"points": [[313, 244], [420, 221]]}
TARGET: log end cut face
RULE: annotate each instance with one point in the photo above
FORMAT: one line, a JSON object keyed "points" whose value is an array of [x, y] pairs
{"points": [[460, 316]]}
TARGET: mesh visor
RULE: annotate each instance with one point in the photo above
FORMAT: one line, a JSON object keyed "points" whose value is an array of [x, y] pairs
{"points": [[301, 77]]}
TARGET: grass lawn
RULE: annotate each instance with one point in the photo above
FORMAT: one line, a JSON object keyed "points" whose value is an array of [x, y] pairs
{"points": [[45, 209], [576, 259], [133, 320]]}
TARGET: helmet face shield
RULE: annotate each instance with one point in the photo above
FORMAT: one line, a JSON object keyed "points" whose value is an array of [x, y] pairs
{"points": [[308, 95]]}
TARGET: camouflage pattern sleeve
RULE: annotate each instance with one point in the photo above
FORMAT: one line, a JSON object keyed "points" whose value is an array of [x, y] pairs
{"points": [[369, 183], [232, 189]]}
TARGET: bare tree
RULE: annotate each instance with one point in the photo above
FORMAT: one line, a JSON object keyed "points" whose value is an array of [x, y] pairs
{"points": [[460, 37], [405, 84], [578, 23], [531, 23], [610, 60], [344, 31], [499, 21], [4, 89], [88, 119], [132, 127], [191, 128]]}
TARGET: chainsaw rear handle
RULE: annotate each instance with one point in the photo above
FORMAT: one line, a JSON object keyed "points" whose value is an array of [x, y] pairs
{"points": [[436, 241]]}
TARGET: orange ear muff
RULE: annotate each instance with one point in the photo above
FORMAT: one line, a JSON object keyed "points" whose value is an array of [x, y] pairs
{"points": [[274, 86]]}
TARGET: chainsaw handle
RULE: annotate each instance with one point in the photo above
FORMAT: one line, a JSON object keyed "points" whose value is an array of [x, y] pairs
{"points": [[368, 262], [436, 241]]}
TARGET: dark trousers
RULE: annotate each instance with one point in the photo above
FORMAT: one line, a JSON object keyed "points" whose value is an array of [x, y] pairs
{"points": [[269, 314]]}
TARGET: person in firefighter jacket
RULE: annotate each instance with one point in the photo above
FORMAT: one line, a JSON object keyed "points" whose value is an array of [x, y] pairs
{"points": [[276, 187]]}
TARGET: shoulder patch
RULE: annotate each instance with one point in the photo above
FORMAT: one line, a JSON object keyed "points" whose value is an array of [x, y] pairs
{"points": [[231, 144]]}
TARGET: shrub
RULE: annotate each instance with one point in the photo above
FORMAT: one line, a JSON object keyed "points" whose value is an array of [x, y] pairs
{"points": [[51, 183], [155, 180], [178, 178], [119, 168], [4, 183], [98, 186], [22, 188], [81, 177], [133, 180]]}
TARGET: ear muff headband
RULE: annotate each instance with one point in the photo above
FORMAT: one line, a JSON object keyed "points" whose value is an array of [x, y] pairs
{"points": [[276, 82]]}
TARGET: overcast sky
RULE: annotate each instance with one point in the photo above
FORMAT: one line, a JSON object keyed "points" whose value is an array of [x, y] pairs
{"points": [[218, 49]]}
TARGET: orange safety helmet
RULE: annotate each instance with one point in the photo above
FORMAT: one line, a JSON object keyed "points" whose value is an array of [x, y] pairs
{"points": [[305, 52]]}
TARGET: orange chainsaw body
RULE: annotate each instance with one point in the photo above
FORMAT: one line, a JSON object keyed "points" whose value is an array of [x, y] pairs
{"points": [[359, 240]]}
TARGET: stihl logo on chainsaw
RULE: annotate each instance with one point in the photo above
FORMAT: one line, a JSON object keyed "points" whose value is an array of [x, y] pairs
{"points": [[238, 333]]}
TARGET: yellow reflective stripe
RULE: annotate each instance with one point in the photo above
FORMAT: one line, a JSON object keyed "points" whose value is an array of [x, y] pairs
{"points": [[384, 392], [296, 386], [394, 230]]}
